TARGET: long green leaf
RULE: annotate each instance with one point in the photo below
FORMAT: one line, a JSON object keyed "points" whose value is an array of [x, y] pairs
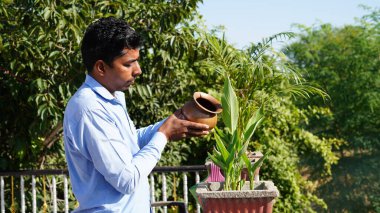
{"points": [[233, 146], [217, 161], [252, 124], [247, 162], [230, 104], [258, 163], [225, 137], [230, 159], [243, 149], [221, 147], [217, 154], [234, 141]]}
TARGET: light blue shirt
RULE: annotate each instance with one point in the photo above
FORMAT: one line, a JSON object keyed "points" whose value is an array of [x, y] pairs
{"points": [[108, 159]]}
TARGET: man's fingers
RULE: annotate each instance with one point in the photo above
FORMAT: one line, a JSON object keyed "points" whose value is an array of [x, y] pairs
{"points": [[198, 126], [177, 128], [197, 134], [193, 131]]}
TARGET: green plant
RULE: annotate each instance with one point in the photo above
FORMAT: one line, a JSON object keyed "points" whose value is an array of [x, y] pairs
{"points": [[265, 78], [230, 152]]}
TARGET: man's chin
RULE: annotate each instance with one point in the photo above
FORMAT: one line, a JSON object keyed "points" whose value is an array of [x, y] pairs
{"points": [[127, 87]]}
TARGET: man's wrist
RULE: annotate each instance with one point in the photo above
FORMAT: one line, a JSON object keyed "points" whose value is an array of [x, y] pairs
{"points": [[160, 140], [162, 131]]}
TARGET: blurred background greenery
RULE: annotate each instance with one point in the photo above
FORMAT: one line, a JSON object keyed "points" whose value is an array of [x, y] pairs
{"points": [[321, 93]]}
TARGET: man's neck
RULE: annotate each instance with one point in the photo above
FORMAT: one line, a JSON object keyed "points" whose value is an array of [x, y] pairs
{"points": [[99, 80]]}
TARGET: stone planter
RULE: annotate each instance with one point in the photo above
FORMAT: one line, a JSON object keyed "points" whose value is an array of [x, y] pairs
{"points": [[259, 200]]}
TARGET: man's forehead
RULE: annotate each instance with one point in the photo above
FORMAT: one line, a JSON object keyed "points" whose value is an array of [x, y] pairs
{"points": [[129, 54], [129, 51]]}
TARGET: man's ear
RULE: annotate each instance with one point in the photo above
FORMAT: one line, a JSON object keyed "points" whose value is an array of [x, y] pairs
{"points": [[99, 68]]}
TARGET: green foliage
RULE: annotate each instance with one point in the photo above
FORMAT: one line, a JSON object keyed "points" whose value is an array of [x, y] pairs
{"points": [[345, 62], [264, 78], [354, 185], [40, 68], [295, 154]]}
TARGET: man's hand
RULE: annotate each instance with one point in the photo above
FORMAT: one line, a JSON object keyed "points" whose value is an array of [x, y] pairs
{"points": [[176, 128]]}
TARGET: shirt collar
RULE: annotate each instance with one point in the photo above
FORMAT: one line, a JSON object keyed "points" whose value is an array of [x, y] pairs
{"points": [[98, 88]]}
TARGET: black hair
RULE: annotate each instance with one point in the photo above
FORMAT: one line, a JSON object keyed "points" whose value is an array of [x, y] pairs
{"points": [[105, 40]]}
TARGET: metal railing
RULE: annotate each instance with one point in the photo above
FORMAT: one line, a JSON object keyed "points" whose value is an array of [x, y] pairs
{"points": [[48, 190]]}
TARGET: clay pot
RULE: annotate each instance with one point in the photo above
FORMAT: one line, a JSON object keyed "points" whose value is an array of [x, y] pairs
{"points": [[202, 109]]}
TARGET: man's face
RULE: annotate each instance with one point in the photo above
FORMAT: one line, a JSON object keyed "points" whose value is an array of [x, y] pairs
{"points": [[123, 71]]}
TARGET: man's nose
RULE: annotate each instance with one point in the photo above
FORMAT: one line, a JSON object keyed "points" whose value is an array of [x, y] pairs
{"points": [[137, 71]]}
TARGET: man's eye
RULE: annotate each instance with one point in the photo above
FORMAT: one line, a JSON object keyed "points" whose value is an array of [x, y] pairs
{"points": [[127, 65]]}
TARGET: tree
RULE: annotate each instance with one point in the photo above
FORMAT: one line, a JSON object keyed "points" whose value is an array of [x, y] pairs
{"points": [[345, 62], [41, 68]]}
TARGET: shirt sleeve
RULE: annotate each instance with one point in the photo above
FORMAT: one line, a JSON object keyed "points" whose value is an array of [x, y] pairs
{"points": [[112, 156], [145, 134]]}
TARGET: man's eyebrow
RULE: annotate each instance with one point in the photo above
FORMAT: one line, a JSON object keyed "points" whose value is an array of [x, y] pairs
{"points": [[133, 60], [123, 52]]}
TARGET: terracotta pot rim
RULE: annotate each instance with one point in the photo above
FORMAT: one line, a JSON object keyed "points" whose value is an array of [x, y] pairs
{"points": [[209, 98]]}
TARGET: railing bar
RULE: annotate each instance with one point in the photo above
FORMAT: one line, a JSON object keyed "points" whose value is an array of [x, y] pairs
{"points": [[34, 199], [160, 169], [197, 180], [2, 194], [164, 198], [185, 189], [22, 191], [34, 172], [54, 194], [191, 168], [152, 195], [66, 194]]}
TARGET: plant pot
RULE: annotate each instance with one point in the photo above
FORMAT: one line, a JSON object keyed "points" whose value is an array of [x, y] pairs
{"points": [[203, 108], [259, 200]]}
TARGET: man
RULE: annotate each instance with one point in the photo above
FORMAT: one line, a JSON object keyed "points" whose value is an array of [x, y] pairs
{"points": [[108, 159]]}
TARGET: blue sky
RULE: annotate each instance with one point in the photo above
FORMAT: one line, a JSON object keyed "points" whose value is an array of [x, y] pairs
{"points": [[251, 20]]}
